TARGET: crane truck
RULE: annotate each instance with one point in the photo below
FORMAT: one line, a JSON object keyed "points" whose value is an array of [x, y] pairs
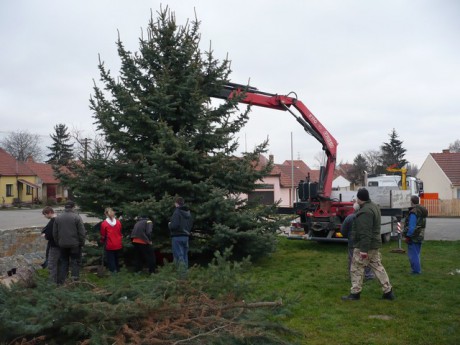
{"points": [[320, 210]]}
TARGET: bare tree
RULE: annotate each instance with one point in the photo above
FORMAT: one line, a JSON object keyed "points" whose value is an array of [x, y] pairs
{"points": [[373, 158], [90, 146], [455, 146], [22, 144], [320, 159], [412, 169]]}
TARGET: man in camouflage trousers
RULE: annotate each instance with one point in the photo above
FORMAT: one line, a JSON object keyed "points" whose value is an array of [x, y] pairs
{"points": [[367, 241]]}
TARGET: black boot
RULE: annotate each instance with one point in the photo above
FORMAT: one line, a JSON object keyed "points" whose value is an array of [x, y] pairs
{"points": [[351, 297], [389, 295]]}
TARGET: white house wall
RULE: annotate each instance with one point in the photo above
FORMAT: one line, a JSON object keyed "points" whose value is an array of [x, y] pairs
{"points": [[435, 180]]}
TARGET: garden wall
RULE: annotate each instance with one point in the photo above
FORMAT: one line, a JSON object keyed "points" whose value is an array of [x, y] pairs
{"points": [[21, 248]]}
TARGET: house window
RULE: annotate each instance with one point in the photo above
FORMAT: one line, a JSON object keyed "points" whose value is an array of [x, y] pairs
{"points": [[28, 190], [9, 190], [458, 193], [265, 186]]}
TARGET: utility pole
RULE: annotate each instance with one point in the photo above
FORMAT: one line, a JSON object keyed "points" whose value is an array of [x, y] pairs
{"points": [[85, 147]]}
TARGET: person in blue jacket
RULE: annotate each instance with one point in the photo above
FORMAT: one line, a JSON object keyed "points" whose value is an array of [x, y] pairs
{"points": [[414, 232]]}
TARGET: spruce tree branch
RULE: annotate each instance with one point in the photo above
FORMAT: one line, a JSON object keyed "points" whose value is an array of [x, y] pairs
{"points": [[200, 335]]}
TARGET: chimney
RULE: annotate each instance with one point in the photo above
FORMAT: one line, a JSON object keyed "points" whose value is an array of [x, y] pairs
{"points": [[446, 151], [271, 158]]}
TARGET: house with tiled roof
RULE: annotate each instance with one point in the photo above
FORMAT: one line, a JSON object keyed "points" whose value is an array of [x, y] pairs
{"points": [[17, 181], [440, 173], [50, 187], [281, 183]]}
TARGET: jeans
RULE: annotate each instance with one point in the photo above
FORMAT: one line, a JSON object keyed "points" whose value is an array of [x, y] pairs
{"points": [[70, 257], [413, 252], [180, 253]]}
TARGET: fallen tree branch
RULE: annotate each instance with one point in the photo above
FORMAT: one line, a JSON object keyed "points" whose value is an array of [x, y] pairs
{"points": [[199, 335]]}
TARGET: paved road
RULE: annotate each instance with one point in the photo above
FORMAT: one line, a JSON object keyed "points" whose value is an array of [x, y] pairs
{"points": [[17, 219], [446, 229]]}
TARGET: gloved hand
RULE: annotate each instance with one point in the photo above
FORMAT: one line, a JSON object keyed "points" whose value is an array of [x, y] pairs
{"points": [[363, 255], [407, 240]]}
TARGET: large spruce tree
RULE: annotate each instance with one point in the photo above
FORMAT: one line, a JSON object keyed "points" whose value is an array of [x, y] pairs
{"points": [[61, 151], [168, 138]]}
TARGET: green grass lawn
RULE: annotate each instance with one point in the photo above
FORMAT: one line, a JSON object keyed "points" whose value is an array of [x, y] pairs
{"points": [[311, 277]]}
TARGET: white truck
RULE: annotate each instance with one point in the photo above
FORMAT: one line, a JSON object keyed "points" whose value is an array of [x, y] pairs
{"points": [[413, 184], [393, 203]]}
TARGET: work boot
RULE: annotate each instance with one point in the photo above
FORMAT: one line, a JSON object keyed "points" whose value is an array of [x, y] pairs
{"points": [[389, 295], [351, 297]]}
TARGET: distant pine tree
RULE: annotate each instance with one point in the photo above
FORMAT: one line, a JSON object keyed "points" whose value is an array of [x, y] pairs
{"points": [[169, 139], [357, 171], [393, 152], [61, 151]]}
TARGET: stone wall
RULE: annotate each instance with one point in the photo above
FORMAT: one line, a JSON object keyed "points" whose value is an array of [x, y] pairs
{"points": [[21, 248]]}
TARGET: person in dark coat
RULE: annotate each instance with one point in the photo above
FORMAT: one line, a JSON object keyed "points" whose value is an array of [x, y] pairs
{"points": [[69, 233], [346, 232], [366, 243], [141, 237], [53, 252], [180, 228]]}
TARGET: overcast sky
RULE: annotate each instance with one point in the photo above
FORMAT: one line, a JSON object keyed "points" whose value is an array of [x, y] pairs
{"points": [[362, 67]]}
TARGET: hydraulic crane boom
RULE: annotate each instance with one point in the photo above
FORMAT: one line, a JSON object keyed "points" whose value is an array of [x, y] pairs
{"points": [[309, 122]]}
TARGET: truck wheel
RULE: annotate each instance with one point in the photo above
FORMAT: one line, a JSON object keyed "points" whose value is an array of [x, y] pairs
{"points": [[386, 237]]}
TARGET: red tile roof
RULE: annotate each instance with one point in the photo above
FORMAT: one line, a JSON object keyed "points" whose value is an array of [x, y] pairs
{"points": [[43, 171], [449, 162], [304, 168], [9, 166], [285, 172]]}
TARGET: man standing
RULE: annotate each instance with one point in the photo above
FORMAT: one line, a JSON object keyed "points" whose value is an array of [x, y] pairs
{"points": [[345, 229], [69, 233], [180, 227], [367, 241], [53, 251], [414, 232]]}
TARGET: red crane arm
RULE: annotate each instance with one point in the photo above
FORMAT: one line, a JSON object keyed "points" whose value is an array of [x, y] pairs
{"points": [[308, 121]]}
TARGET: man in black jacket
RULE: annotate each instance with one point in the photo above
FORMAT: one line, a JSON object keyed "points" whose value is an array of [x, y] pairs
{"points": [[53, 251], [180, 227], [69, 233]]}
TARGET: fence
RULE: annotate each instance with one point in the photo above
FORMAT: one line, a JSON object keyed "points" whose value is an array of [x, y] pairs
{"points": [[442, 208]]}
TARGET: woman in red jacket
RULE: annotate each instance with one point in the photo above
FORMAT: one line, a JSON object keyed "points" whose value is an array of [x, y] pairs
{"points": [[111, 238]]}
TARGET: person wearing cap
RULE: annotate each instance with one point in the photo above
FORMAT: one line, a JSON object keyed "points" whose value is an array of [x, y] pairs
{"points": [[366, 243], [69, 233], [345, 229]]}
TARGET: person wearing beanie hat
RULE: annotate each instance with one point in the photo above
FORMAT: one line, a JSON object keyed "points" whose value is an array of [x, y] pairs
{"points": [[366, 243], [363, 194]]}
